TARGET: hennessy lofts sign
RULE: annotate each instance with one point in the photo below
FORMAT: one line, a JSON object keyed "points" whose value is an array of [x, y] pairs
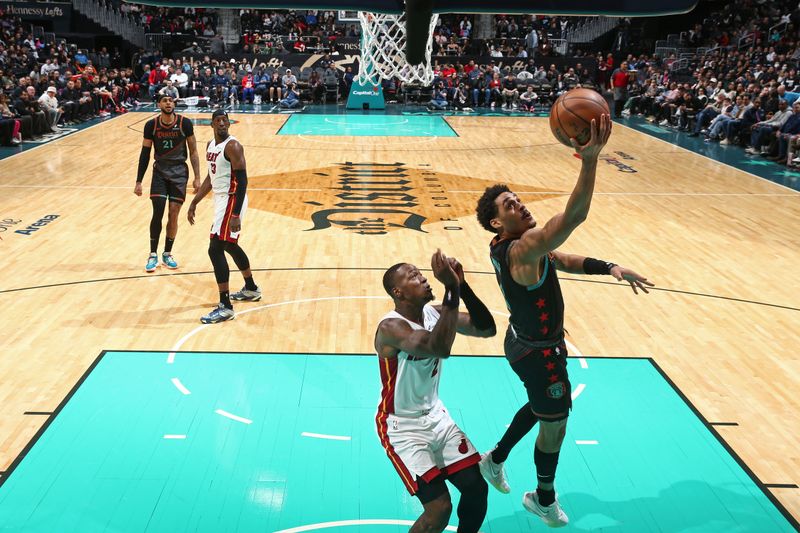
{"points": [[57, 13]]}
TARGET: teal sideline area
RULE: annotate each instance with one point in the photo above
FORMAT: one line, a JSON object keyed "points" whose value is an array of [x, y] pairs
{"points": [[729, 155], [283, 442]]}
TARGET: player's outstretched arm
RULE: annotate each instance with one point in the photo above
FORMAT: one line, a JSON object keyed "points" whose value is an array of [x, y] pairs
{"points": [[478, 320], [396, 335], [537, 242], [579, 264]]}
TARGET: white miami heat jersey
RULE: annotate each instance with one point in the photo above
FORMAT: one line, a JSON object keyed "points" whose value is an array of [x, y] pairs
{"points": [[410, 384], [219, 168]]}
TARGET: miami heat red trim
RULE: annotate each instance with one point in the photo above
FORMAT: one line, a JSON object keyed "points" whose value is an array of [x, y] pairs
{"points": [[462, 464], [383, 435]]}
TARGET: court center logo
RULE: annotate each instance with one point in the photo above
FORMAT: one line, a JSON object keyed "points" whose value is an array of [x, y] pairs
{"points": [[370, 198]]}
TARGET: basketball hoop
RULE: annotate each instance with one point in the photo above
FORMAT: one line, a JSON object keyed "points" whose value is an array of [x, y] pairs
{"points": [[383, 42]]}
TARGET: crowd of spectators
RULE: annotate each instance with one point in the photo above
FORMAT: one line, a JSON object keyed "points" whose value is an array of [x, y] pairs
{"points": [[44, 86], [743, 91]]}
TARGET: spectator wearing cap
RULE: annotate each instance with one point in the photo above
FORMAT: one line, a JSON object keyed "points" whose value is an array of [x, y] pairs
{"points": [[288, 79], [49, 104]]}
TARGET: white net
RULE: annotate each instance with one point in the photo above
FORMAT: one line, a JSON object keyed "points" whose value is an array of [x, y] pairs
{"points": [[383, 41]]}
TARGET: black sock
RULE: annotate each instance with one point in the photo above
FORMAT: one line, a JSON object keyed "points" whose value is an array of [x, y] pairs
{"points": [[546, 464], [520, 426], [546, 497], [154, 245], [168, 245], [249, 284], [225, 299]]}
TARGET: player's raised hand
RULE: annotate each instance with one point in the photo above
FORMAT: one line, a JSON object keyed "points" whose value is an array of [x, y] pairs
{"points": [[457, 268], [137, 190], [600, 134], [635, 280], [442, 269]]}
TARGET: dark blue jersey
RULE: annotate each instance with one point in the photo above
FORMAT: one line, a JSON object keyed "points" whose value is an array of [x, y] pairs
{"points": [[537, 311]]}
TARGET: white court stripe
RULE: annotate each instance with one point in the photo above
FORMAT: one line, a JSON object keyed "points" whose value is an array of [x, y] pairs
{"points": [[586, 442], [226, 414], [583, 362], [171, 358], [321, 436], [175, 437], [578, 390], [179, 386], [346, 523]]}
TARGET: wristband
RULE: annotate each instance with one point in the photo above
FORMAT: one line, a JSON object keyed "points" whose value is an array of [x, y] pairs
{"points": [[596, 266], [451, 297]]}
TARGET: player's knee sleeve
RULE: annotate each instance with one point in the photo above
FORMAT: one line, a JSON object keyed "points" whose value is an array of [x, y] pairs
{"points": [[238, 255], [159, 204], [216, 252]]}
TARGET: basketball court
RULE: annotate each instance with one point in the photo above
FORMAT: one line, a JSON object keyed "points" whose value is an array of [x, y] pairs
{"points": [[123, 412]]}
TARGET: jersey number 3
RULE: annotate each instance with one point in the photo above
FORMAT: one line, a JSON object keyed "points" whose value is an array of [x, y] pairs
{"points": [[213, 167]]}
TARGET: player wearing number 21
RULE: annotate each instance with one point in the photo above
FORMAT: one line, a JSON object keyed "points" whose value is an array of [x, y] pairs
{"points": [[171, 135]]}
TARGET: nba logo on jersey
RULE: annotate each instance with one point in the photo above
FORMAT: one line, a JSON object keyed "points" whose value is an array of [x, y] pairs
{"points": [[556, 390]]}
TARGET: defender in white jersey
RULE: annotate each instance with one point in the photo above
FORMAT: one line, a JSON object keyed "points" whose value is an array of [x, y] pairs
{"points": [[422, 441], [227, 178]]}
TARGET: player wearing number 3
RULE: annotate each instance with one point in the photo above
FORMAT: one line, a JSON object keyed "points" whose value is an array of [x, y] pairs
{"points": [[170, 135], [422, 441], [227, 178]]}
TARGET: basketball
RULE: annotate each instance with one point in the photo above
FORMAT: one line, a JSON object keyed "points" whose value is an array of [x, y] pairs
{"points": [[572, 113]]}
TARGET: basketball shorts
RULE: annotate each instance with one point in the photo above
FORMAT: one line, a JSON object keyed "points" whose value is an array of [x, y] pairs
{"points": [[170, 184], [426, 446], [223, 212], [543, 371]]}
